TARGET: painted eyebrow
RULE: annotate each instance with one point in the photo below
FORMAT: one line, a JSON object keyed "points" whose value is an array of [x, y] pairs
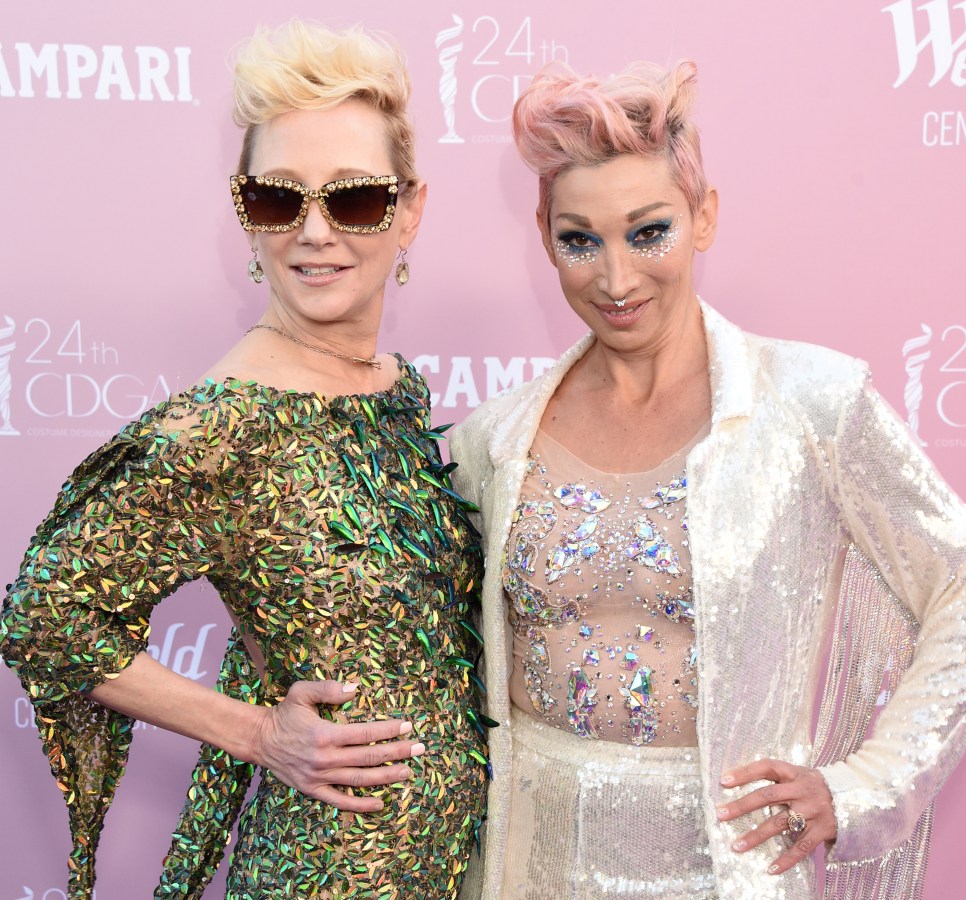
{"points": [[632, 216], [644, 210]]}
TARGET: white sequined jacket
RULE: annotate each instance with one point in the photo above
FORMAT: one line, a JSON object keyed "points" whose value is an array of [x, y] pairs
{"points": [[811, 509]]}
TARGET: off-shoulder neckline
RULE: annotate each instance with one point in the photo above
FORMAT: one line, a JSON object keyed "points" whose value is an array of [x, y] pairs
{"points": [[231, 382]]}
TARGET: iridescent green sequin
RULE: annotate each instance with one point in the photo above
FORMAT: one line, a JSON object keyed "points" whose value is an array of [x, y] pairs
{"points": [[331, 530]]}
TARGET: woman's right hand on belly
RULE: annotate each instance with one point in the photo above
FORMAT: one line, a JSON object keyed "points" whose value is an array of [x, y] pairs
{"points": [[318, 757], [310, 754]]}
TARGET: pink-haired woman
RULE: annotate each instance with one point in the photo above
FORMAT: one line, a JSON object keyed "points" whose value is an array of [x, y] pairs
{"points": [[676, 517]]}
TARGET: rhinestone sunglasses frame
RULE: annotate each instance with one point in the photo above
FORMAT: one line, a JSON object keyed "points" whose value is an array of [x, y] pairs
{"points": [[327, 190]]}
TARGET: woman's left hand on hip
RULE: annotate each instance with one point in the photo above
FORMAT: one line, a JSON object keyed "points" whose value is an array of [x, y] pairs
{"points": [[805, 796]]}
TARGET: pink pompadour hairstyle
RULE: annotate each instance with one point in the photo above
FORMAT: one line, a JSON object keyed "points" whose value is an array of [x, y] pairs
{"points": [[563, 120]]}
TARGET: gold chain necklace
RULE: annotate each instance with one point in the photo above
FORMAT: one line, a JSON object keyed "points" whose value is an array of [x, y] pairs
{"points": [[371, 361]]}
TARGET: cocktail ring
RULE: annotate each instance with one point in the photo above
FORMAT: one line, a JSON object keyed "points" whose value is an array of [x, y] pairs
{"points": [[796, 822]]}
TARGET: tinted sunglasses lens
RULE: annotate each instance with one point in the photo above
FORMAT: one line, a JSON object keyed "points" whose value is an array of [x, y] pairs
{"points": [[359, 205], [270, 205]]}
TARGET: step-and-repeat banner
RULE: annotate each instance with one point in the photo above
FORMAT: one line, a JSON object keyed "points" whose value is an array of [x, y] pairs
{"points": [[835, 133]]}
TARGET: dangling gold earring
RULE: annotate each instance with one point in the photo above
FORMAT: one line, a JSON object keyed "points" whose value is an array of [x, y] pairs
{"points": [[402, 270], [255, 267]]}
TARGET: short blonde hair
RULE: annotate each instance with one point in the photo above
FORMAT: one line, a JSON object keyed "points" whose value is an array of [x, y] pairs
{"points": [[306, 66]]}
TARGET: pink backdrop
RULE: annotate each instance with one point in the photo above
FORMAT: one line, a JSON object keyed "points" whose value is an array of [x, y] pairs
{"points": [[835, 132]]}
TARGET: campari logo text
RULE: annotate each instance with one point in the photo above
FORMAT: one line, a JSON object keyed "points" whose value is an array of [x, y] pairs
{"points": [[109, 72]]}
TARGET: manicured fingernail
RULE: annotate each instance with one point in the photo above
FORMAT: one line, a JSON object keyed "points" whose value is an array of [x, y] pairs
{"points": [[773, 869], [727, 779], [738, 846], [722, 811], [417, 750], [349, 687], [406, 727]]}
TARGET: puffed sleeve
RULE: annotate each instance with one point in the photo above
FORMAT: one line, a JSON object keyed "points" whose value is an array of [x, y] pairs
{"points": [[133, 523], [909, 522]]}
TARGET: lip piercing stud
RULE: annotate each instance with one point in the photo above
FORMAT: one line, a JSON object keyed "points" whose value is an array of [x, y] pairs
{"points": [[620, 303]]}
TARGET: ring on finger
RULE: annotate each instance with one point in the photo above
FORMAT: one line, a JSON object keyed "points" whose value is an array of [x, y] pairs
{"points": [[796, 822]]}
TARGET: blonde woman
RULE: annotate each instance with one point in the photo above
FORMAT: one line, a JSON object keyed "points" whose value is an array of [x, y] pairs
{"points": [[302, 478]]}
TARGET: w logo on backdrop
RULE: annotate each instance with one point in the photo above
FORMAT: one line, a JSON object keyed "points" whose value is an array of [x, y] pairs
{"points": [[931, 27]]}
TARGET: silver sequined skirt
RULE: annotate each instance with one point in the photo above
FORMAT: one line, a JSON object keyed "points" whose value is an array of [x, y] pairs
{"points": [[600, 818]]}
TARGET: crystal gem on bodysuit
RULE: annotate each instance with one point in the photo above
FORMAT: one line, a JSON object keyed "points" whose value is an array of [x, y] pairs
{"points": [[649, 548], [578, 543], [562, 557], [689, 697], [528, 601], [674, 491], [591, 658], [642, 724], [571, 495], [536, 509], [541, 700], [582, 698], [540, 655], [629, 661], [639, 693], [535, 605], [524, 556], [677, 606], [536, 666], [585, 529]]}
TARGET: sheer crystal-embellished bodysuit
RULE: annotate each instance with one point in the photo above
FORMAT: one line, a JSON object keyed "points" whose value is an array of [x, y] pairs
{"points": [[606, 786], [597, 575]]}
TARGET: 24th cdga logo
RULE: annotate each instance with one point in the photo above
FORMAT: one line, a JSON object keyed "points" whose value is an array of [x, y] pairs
{"points": [[500, 58], [66, 378], [922, 353]]}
